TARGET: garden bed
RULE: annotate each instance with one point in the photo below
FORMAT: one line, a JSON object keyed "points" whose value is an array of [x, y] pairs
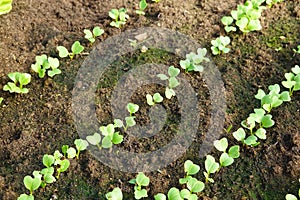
{"points": [[41, 121]]}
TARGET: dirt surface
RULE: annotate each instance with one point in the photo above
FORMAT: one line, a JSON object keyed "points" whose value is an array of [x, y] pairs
{"points": [[40, 122]]}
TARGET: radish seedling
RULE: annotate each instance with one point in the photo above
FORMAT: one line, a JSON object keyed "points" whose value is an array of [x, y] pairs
{"points": [[226, 159], [292, 80], [110, 136], [5, 6], [273, 99], [76, 49], [43, 64], [116, 194], [143, 5], [211, 166], [219, 45], [227, 21], [140, 181], [32, 183], [156, 98], [91, 35], [130, 121], [193, 62], [19, 80], [190, 169], [297, 50], [80, 146], [173, 82], [119, 16]]}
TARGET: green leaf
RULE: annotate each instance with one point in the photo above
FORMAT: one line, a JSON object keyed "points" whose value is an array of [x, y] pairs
{"points": [[48, 160], [116, 194], [260, 94], [118, 123], [240, 134], [88, 34], [62, 51], [227, 20], [132, 108], [5, 6], [77, 48], [174, 194], [114, 13], [173, 82], [24, 196], [130, 121], [64, 165], [169, 93], [267, 121], [226, 160], [142, 179], [81, 144], [97, 31], [54, 72], [211, 166], [138, 194], [106, 142], [230, 28], [157, 98], [117, 138], [53, 62], [150, 101], [195, 186], [94, 139], [173, 72], [160, 196], [71, 152], [190, 168], [221, 145], [290, 197], [285, 96], [162, 77], [296, 69], [234, 151], [261, 133], [251, 140], [32, 183], [185, 193]]}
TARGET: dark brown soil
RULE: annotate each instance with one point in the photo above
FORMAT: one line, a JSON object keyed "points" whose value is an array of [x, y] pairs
{"points": [[40, 122]]}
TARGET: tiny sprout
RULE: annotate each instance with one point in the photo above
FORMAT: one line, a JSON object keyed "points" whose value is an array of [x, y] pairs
{"points": [[140, 181], [116, 194], [91, 35], [94, 139], [119, 16], [143, 5], [211, 166], [292, 80], [1, 99], [44, 63], [19, 80], [297, 50], [132, 108], [63, 166], [227, 21], [76, 49], [219, 45], [193, 62], [173, 81], [47, 176], [110, 136], [48, 160], [80, 146], [157, 98]]}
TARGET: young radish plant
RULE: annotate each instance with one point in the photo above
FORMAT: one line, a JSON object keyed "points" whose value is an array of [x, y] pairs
{"points": [[292, 81], [92, 35], [193, 62], [172, 80], [142, 5], [119, 16], [76, 49], [44, 63], [219, 45], [156, 98], [140, 181], [19, 80]]}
